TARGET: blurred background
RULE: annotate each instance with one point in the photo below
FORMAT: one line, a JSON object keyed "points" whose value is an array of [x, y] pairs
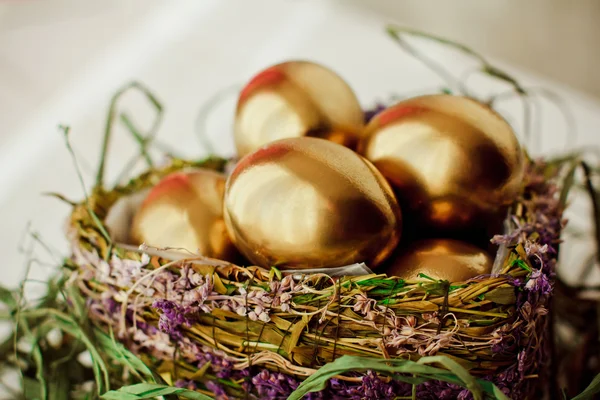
{"points": [[554, 38], [61, 61]]}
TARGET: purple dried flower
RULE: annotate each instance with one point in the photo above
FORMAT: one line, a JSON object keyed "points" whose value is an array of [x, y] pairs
{"points": [[538, 282], [172, 316], [224, 368], [363, 305], [436, 390], [522, 363], [273, 385], [517, 282], [533, 248], [188, 384], [126, 271], [369, 114], [216, 389], [375, 388], [150, 329], [110, 305], [506, 240], [506, 339]]}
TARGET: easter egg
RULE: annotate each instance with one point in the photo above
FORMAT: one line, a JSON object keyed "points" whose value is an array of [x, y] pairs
{"points": [[310, 203], [185, 211], [295, 99], [451, 160], [440, 259]]}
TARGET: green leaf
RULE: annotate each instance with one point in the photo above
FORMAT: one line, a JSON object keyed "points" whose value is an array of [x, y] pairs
{"points": [[386, 292], [118, 395], [275, 272], [69, 325], [417, 370], [122, 355], [31, 388], [422, 275], [592, 389], [150, 391], [78, 302], [7, 297], [296, 332], [382, 282], [469, 381], [521, 264], [218, 284], [58, 385], [502, 295], [38, 359]]}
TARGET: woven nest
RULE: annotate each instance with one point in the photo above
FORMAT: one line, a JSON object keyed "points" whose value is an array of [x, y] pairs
{"points": [[245, 332]]}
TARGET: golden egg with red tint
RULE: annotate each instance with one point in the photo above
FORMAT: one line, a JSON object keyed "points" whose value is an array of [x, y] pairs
{"points": [[295, 99], [440, 259], [310, 203], [185, 211], [451, 160]]}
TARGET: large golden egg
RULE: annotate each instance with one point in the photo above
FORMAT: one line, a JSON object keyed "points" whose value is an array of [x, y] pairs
{"points": [[308, 203], [185, 211], [451, 160], [446, 259], [294, 99]]}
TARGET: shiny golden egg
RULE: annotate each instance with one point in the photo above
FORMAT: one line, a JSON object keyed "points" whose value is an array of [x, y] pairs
{"points": [[446, 259], [310, 203], [294, 99], [185, 211], [451, 160]]}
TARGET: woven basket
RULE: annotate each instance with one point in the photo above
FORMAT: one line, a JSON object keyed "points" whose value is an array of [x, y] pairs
{"points": [[245, 332]]}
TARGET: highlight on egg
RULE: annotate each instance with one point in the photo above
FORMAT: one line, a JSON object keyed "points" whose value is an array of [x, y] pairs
{"points": [[185, 211], [295, 99], [310, 203], [440, 259], [450, 159]]}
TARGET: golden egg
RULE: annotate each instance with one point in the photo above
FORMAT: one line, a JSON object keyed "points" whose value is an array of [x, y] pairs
{"points": [[309, 203], [451, 160], [294, 99], [185, 210], [446, 259]]}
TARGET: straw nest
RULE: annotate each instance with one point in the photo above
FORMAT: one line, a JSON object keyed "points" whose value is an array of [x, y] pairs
{"points": [[231, 331]]}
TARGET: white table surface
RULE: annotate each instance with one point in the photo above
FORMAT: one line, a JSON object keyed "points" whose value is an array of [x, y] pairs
{"points": [[64, 67]]}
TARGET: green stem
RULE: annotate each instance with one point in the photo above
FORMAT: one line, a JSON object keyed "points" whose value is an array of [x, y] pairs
{"points": [[451, 81], [93, 215], [205, 110], [110, 120], [141, 141], [485, 67], [595, 205], [18, 333]]}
